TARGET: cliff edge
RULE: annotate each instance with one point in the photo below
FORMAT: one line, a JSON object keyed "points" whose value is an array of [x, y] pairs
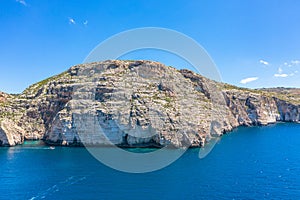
{"points": [[131, 99]]}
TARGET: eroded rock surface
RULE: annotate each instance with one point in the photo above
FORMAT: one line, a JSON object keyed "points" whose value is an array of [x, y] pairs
{"points": [[137, 103]]}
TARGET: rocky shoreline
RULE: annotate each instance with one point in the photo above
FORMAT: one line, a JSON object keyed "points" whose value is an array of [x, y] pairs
{"points": [[134, 98]]}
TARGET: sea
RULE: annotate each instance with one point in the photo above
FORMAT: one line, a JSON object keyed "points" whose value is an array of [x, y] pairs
{"points": [[248, 163]]}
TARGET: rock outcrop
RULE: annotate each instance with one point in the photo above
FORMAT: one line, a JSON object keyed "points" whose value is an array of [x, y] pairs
{"points": [[137, 104], [10, 133]]}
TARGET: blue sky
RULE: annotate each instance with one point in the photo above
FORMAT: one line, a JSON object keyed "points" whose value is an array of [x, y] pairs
{"points": [[254, 43]]}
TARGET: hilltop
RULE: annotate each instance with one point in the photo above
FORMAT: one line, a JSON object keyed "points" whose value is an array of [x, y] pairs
{"points": [[137, 104]]}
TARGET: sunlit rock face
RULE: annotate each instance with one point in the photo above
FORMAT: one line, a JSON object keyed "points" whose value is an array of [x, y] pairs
{"points": [[10, 133], [136, 104]]}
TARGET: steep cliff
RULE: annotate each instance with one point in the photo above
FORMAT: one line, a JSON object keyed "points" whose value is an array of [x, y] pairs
{"points": [[137, 103]]}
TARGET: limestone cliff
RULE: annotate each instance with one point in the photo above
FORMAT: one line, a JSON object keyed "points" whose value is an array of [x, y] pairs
{"points": [[137, 103]]}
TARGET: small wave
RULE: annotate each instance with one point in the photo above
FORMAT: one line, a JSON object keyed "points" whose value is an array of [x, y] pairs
{"points": [[55, 188]]}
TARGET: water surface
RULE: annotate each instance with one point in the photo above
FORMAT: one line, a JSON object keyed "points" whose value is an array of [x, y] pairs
{"points": [[249, 163]]}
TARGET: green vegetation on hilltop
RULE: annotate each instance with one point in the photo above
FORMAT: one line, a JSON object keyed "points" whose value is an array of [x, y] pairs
{"points": [[33, 89], [291, 95]]}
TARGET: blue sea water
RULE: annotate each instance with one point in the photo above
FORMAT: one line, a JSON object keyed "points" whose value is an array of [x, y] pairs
{"points": [[249, 163]]}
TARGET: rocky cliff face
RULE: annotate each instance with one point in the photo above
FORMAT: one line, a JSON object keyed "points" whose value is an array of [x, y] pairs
{"points": [[137, 103]]}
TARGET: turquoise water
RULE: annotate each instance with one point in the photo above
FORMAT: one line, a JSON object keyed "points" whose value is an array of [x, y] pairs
{"points": [[249, 163]]}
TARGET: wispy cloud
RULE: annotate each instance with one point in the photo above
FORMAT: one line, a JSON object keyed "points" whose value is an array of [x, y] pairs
{"points": [[264, 62], [295, 62], [287, 66], [281, 74], [23, 2], [292, 63], [71, 21], [248, 80], [293, 73]]}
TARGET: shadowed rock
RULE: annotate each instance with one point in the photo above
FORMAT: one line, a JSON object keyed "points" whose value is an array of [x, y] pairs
{"points": [[137, 104]]}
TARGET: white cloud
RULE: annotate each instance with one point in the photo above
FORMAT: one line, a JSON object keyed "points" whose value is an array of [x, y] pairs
{"points": [[295, 62], [23, 2], [72, 21], [248, 80], [294, 73], [281, 75], [284, 75], [264, 62], [292, 63], [85, 22]]}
